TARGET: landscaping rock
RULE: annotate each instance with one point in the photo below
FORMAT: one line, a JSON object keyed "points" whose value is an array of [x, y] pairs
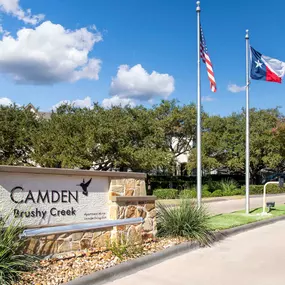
{"points": [[65, 267], [147, 226]]}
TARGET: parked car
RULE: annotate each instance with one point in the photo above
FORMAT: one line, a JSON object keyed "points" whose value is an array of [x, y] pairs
{"points": [[273, 177]]}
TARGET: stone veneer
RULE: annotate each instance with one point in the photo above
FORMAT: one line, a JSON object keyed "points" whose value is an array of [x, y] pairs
{"points": [[134, 207], [67, 242], [127, 199], [127, 187]]}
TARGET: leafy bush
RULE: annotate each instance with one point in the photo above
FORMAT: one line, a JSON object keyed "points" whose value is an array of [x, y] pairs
{"points": [[233, 192], [258, 189], [188, 194], [217, 193], [228, 185], [254, 189], [192, 193], [206, 194], [12, 262], [206, 187], [165, 193], [237, 192], [186, 220], [212, 186], [228, 193], [274, 189]]}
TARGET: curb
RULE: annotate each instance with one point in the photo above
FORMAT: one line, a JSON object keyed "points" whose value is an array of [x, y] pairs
{"points": [[132, 266]]}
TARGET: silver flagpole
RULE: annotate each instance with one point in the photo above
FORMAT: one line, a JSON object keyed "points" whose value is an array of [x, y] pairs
{"points": [[247, 174], [199, 176]]}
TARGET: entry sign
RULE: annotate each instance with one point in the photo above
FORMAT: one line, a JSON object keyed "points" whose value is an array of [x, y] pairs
{"points": [[281, 182], [40, 199]]}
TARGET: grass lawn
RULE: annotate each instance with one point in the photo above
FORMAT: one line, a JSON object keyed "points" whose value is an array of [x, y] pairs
{"points": [[226, 221]]}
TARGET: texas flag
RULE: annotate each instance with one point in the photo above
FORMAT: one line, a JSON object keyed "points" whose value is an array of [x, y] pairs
{"points": [[266, 68]]}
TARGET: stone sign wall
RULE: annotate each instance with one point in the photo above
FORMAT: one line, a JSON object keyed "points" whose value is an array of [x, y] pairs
{"points": [[43, 197]]}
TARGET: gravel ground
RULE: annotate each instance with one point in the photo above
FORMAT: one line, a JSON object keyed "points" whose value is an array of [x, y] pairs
{"points": [[63, 268]]}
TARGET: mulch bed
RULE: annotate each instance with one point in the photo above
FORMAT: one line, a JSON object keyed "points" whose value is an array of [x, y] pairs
{"points": [[66, 267]]}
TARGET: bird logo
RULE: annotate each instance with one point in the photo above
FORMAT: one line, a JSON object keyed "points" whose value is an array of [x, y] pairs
{"points": [[84, 186]]}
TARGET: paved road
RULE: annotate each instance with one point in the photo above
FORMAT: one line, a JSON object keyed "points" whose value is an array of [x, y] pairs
{"points": [[227, 204], [239, 204], [253, 257]]}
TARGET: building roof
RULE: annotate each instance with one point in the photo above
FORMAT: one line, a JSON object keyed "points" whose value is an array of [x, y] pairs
{"points": [[44, 115]]}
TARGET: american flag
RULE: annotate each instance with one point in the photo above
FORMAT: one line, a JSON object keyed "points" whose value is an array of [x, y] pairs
{"points": [[206, 59]]}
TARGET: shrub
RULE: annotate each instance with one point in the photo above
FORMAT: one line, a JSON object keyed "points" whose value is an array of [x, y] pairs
{"points": [[206, 194], [217, 193], [274, 189], [253, 189], [165, 193], [228, 185], [258, 189], [228, 193], [192, 193], [233, 192], [206, 187], [220, 193], [188, 194], [237, 192], [186, 220], [213, 185], [12, 263]]}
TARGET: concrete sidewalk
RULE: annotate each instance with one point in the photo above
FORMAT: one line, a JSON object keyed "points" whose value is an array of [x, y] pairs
{"points": [[253, 257]]}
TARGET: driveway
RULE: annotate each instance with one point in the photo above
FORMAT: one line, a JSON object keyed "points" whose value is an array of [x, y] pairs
{"points": [[228, 206], [253, 257]]}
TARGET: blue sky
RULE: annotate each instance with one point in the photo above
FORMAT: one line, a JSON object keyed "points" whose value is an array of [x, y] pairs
{"points": [[147, 36]]}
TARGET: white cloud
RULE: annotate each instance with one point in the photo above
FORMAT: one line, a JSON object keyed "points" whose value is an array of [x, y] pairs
{"points": [[62, 102], [5, 101], [93, 27], [13, 8], [49, 54], [207, 99], [235, 88], [136, 83], [85, 103], [4, 32], [117, 101]]}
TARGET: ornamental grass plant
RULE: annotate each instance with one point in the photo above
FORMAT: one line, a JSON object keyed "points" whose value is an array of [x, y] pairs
{"points": [[12, 262], [184, 220]]}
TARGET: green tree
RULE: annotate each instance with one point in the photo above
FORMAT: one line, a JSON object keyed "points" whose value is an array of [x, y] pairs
{"points": [[223, 142], [212, 150], [127, 138], [279, 135], [118, 137], [177, 124], [65, 139], [18, 126]]}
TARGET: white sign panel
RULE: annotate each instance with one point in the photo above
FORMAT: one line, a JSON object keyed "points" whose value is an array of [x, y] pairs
{"points": [[41, 199]]}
